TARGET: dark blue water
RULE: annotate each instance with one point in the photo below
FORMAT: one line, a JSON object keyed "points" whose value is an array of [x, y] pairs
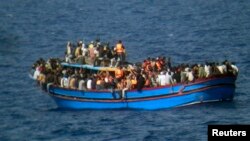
{"points": [[188, 31]]}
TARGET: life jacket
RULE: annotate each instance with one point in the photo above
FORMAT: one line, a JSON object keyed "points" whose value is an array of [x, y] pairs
{"points": [[119, 48], [98, 82], [158, 65], [133, 83], [110, 79], [119, 73], [162, 62], [147, 83], [144, 65], [148, 66]]}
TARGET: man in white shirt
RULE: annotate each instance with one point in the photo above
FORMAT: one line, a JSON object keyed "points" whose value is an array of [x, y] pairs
{"points": [[235, 68], [89, 86], [161, 79], [207, 69], [190, 75], [169, 79]]}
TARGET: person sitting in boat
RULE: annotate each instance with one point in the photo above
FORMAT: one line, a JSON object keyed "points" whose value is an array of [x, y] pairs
{"points": [[37, 72], [94, 79], [64, 80], [146, 65], [133, 82], [153, 64], [183, 74], [119, 73], [207, 69], [153, 79], [147, 81], [161, 79], [41, 79], [99, 83], [190, 75], [82, 84], [201, 71], [214, 70], [72, 82], [111, 83], [230, 70], [126, 85], [235, 69], [89, 83], [120, 51], [177, 75], [169, 79], [159, 64], [140, 82]]}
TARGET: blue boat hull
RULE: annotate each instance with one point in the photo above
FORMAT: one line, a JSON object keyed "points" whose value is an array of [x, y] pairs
{"points": [[217, 89]]}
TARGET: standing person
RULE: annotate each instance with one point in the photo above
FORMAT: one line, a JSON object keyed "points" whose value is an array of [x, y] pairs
{"points": [[84, 50], [69, 52], [190, 75], [161, 79], [78, 51], [91, 49], [169, 79], [120, 51], [140, 82]]}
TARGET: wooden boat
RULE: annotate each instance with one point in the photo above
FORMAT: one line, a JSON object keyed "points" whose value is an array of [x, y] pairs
{"points": [[204, 90]]}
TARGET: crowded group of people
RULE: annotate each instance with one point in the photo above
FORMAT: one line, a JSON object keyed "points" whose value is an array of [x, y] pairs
{"points": [[152, 72], [95, 53]]}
